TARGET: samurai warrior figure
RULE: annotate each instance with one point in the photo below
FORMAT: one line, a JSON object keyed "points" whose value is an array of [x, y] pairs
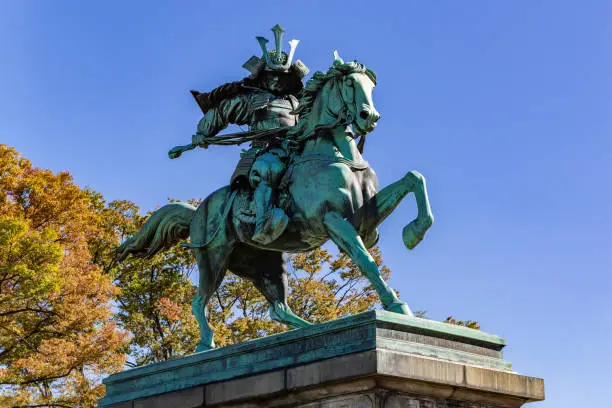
{"points": [[265, 100]]}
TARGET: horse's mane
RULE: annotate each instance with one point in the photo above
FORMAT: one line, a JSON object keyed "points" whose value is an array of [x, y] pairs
{"points": [[310, 91]]}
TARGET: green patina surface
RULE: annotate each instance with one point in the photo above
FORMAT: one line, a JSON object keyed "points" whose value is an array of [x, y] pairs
{"points": [[349, 335]]}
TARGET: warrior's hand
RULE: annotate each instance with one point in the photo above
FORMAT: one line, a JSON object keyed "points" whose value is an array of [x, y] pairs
{"points": [[198, 140]]}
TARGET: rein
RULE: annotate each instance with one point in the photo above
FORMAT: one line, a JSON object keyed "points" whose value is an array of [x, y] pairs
{"points": [[229, 140], [242, 137]]}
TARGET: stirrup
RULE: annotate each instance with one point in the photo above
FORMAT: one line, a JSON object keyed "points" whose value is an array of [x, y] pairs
{"points": [[399, 307]]}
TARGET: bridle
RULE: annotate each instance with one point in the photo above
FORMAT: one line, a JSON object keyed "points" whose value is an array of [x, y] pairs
{"points": [[346, 114], [343, 118]]}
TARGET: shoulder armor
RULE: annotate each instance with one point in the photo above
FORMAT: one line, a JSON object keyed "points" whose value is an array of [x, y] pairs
{"points": [[209, 100]]}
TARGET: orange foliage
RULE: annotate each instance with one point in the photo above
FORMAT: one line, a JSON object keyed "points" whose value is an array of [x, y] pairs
{"points": [[57, 337]]}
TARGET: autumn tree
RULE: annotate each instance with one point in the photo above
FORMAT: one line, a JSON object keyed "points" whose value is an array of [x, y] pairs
{"points": [[154, 300], [57, 336], [472, 324], [155, 306]]}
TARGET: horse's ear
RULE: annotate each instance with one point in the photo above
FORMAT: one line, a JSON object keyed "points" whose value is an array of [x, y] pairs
{"points": [[337, 59]]}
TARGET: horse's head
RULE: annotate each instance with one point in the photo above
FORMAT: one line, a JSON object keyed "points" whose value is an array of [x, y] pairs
{"points": [[353, 98], [340, 96]]}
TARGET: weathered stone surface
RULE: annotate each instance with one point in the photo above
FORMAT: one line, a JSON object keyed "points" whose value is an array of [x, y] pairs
{"points": [[377, 354], [243, 388], [354, 365], [189, 398], [324, 391], [398, 380], [413, 367], [408, 386], [345, 401], [355, 334], [417, 338], [408, 401], [402, 401], [506, 383]]}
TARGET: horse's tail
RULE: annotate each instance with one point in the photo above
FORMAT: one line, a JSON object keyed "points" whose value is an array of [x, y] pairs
{"points": [[164, 228]]}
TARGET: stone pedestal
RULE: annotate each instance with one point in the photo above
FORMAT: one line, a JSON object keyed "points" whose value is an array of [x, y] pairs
{"points": [[372, 360]]}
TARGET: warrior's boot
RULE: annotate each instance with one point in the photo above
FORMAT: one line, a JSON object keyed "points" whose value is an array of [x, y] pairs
{"points": [[270, 222]]}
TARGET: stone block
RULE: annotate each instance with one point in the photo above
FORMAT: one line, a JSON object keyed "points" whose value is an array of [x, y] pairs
{"points": [[243, 388], [507, 383], [401, 401], [419, 368], [189, 398], [374, 359], [412, 387], [354, 365], [327, 390], [345, 401]]}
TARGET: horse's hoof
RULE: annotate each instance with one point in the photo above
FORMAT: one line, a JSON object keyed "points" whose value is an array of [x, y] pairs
{"points": [[414, 232], [286, 316], [410, 235], [203, 347], [399, 307], [298, 324]]}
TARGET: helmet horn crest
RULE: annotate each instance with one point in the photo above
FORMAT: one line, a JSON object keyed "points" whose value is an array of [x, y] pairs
{"points": [[276, 59]]}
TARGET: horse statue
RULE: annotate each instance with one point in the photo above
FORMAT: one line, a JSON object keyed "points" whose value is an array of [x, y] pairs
{"points": [[332, 193]]}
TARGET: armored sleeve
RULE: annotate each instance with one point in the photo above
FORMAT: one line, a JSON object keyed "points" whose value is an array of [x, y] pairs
{"points": [[234, 110]]}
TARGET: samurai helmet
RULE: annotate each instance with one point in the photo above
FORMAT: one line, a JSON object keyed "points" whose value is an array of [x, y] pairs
{"points": [[276, 60]]}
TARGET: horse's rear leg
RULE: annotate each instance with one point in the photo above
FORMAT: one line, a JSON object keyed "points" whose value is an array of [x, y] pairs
{"points": [[212, 264], [379, 207], [268, 272], [345, 236]]}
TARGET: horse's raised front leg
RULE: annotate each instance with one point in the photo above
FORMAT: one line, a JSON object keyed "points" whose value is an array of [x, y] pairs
{"points": [[342, 232], [379, 207]]}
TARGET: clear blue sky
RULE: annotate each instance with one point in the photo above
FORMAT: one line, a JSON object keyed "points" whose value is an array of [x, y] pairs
{"points": [[505, 107]]}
